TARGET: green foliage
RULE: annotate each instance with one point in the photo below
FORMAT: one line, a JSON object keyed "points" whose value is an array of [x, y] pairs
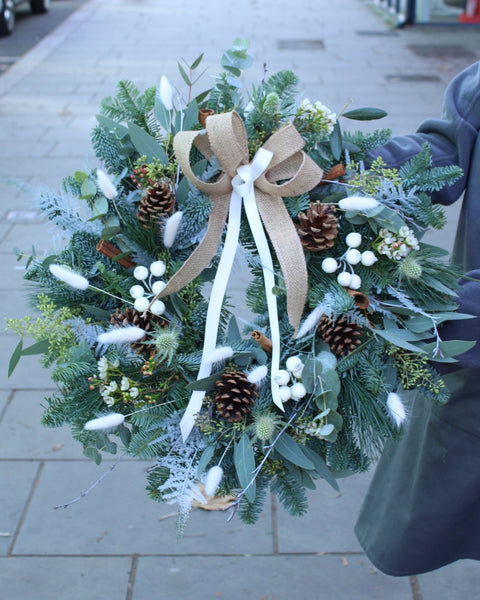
{"points": [[129, 105], [290, 493], [419, 173]]}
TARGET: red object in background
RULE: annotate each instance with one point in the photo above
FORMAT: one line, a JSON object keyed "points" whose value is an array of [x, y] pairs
{"points": [[472, 12]]}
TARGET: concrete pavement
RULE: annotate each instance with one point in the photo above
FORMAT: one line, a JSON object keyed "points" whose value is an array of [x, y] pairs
{"points": [[117, 544]]}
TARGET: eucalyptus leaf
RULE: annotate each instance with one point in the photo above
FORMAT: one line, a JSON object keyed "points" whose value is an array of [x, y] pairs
{"points": [[448, 350], [146, 145], [365, 114], [306, 480], [111, 125], [336, 141], [163, 116], [320, 467], [244, 461], [88, 189], [289, 449], [110, 232], [233, 333], [397, 340], [80, 176], [38, 348], [205, 458], [99, 208], [207, 384], [190, 117], [125, 435], [15, 358]]}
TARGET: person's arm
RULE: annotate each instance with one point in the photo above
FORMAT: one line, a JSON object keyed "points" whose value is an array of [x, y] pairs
{"points": [[451, 138]]}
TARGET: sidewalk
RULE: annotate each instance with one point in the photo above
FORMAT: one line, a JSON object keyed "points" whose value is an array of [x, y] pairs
{"points": [[116, 544]]}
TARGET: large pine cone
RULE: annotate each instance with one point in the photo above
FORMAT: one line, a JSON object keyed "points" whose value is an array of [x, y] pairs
{"points": [[130, 316], [318, 227], [341, 335], [157, 202], [235, 396]]}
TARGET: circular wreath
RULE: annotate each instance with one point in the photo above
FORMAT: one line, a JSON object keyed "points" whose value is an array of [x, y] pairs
{"points": [[345, 300]]}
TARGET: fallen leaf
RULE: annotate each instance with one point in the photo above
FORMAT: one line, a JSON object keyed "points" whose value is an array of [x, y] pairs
{"points": [[213, 502]]}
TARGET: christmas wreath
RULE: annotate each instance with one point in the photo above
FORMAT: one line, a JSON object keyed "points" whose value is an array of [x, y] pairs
{"points": [[346, 300]]}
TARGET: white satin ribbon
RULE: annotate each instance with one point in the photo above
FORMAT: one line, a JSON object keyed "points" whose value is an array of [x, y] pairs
{"points": [[243, 187]]}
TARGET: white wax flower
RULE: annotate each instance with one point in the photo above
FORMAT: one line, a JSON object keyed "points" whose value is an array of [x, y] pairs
{"points": [[166, 93], [358, 203], [298, 391], [353, 256], [106, 185], [368, 258], [137, 291], [281, 377], [141, 304], [344, 278], [158, 286], [158, 308], [157, 268], [285, 393], [74, 280], [355, 282], [105, 422], [124, 384], [329, 265], [353, 239], [140, 273]]}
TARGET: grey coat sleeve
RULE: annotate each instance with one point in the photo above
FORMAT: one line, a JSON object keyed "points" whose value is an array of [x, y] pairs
{"points": [[451, 138]]}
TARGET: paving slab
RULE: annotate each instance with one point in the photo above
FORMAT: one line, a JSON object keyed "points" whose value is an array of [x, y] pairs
{"points": [[328, 525], [64, 578], [17, 478], [458, 581], [267, 578], [23, 437], [118, 518]]}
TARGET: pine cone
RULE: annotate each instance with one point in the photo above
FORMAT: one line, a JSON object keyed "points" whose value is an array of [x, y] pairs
{"points": [[235, 396], [341, 335], [130, 316], [318, 227], [157, 202]]}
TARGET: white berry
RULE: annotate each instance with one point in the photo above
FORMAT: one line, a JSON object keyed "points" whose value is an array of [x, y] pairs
{"points": [[282, 377], [140, 273], [141, 304], [285, 393], [329, 265], [353, 256], [294, 364], [158, 286], [298, 391], [368, 258], [158, 308], [355, 282], [353, 239], [137, 291], [157, 268], [344, 279]]}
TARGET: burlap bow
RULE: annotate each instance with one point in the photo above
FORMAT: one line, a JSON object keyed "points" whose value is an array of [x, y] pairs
{"points": [[290, 173]]}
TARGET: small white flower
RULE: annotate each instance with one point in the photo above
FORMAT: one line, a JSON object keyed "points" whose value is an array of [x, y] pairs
{"points": [[111, 387], [106, 185], [368, 258], [158, 308], [124, 384], [137, 291], [285, 393], [220, 354], [171, 228], [329, 265], [157, 268], [140, 273], [166, 93], [353, 256], [257, 374], [134, 392], [109, 401], [353, 239], [298, 391], [158, 286], [358, 203], [344, 278], [105, 422], [213, 479], [396, 408], [69, 277], [121, 335], [355, 281], [141, 304]]}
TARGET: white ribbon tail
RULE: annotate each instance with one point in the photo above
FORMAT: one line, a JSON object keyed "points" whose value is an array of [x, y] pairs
{"points": [[214, 310]]}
